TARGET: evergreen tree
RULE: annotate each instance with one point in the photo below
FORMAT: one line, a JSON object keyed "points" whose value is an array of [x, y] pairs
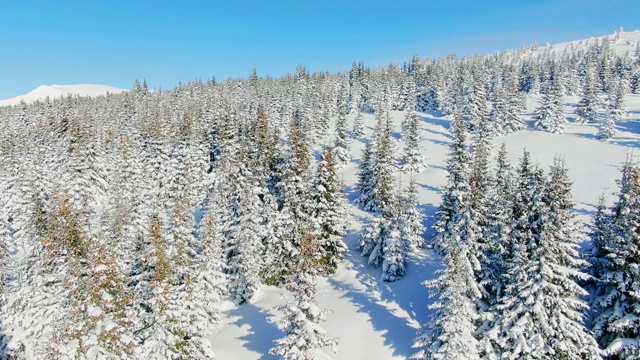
{"points": [[383, 172], [456, 190], [304, 337], [244, 258], [615, 111], [410, 219], [587, 110], [365, 178], [450, 333], [329, 214], [341, 144], [412, 160], [542, 266], [616, 302], [358, 125], [550, 115]]}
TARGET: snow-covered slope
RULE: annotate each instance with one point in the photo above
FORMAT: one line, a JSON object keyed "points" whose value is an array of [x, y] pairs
{"points": [[620, 41], [56, 91], [378, 320]]}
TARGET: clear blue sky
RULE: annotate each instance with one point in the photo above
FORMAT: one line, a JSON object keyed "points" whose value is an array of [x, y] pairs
{"points": [[116, 42]]}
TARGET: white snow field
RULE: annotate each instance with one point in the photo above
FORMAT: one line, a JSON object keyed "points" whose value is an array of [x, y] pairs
{"points": [[56, 91]]}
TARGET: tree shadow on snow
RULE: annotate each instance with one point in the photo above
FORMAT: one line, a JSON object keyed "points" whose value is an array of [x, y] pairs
{"points": [[429, 212], [446, 135], [352, 193], [444, 123], [397, 309], [587, 136], [430, 188], [439, 142], [629, 142], [582, 208], [262, 331], [629, 125]]}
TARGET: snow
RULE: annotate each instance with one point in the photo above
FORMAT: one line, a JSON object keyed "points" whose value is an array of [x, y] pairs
{"points": [[373, 319], [377, 320], [626, 41], [56, 91], [94, 311]]}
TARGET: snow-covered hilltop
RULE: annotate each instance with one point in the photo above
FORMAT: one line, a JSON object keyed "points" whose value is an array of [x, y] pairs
{"points": [[621, 42], [56, 91]]}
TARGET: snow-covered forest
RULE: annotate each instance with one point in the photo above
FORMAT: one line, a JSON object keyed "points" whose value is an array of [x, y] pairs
{"points": [[383, 212]]}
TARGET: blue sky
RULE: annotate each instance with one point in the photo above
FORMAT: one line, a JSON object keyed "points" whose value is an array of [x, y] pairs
{"points": [[116, 42]]}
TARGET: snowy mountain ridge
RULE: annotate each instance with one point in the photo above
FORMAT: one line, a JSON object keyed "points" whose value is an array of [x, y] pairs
{"points": [[56, 91], [620, 41]]}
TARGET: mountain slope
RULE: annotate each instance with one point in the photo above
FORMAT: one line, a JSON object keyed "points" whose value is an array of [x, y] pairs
{"points": [[378, 320], [56, 91]]}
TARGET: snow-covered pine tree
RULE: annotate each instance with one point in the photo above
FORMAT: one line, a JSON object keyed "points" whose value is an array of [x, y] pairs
{"points": [[456, 190], [341, 144], [304, 336], [499, 223], [549, 115], [475, 105], [542, 266], [294, 212], [394, 246], [244, 265], [516, 105], [383, 170], [95, 323], [451, 332], [358, 124], [381, 241], [412, 160], [410, 112], [365, 183], [596, 253], [587, 109], [410, 219], [328, 214], [615, 110], [617, 302]]}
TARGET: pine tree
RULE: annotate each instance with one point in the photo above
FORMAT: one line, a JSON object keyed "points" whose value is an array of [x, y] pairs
{"points": [[456, 190], [383, 172], [617, 302], [550, 115], [542, 266], [450, 333], [244, 257], [382, 243], [475, 106], [341, 144], [304, 337], [587, 110], [410, 219], [393, 246], [329, 214], [358, 125], [365, 182], [412, 159], [615, 111]]}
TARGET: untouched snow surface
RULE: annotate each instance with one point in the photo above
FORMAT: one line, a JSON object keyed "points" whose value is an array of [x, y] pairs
{"points": [[56, 91], [378, 320]]}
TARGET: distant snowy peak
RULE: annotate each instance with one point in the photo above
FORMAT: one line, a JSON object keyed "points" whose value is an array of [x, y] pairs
{"points": [[620, 41], [56, 91]]}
